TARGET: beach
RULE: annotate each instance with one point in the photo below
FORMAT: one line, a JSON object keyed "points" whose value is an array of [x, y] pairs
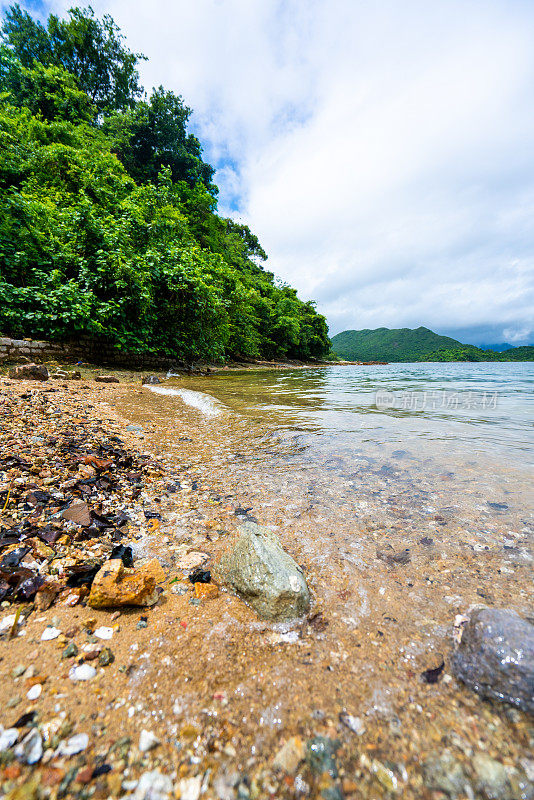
{"points": [[201, 694]]}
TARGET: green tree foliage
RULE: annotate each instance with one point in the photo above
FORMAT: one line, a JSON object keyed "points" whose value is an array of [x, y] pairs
{"points": [[468, 352], [47, 91], [153, 135], [109, 223], [92, 50]]}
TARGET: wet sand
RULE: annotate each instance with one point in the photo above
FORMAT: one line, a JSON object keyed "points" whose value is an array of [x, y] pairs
{"points": [[222, 690]]}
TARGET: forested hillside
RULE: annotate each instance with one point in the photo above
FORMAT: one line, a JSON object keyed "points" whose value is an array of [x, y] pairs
{"points": [[385, 344], [109, 223], [419, 344]]}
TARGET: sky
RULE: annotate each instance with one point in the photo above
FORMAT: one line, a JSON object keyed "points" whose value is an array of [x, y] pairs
{"points": [[383, 152]]}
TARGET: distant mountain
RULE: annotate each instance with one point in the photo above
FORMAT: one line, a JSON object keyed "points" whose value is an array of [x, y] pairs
{"points": [[497, 348], [385, 344], [419, 344]]}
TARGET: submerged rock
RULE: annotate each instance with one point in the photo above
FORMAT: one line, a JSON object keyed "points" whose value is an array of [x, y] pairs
{"points": [[290, 756], [495, 781], [153, 786], [495, 657], [321, 755], [443, 773], [115, 585], [260, 570], [29, 372], [107, 379]]}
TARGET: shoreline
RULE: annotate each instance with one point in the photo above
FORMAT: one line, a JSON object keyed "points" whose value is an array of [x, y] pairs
{"points": [[202, 676]]}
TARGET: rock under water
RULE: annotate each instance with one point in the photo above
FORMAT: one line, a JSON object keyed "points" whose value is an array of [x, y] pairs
{"points": [[495, 657], [260, 570]]}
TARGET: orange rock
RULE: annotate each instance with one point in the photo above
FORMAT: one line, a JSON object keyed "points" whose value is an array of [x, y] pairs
{"points": [[115, 585], [206, 591], [29, 682], [349, 787], [114, 782], [46, 595], [12, 772], [84, 775], [51, 776]]}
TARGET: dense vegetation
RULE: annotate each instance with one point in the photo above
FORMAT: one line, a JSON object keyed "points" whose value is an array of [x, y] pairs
{"points": [[468, 352], [384, 344], [109, 223], [421, 344]]}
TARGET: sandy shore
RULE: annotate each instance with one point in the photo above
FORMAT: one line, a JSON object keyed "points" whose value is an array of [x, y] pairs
{"points": [[197, 690]]}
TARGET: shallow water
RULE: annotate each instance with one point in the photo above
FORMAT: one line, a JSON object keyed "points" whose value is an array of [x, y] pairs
{"points": [[404, 509], [474, 408]]}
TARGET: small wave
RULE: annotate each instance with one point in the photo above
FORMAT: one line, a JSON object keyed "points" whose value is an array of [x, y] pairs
{"points": [[204, 403]]}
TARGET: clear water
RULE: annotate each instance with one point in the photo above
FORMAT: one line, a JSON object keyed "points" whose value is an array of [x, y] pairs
{"points": [[443, 410], [404, 492]]}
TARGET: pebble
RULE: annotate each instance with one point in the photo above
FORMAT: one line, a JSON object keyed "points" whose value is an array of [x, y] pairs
{"points": [[13, 701], [71, 747], [495, 781], [320, 755], [385, 776], [34, 692], [443, 773], [290, 756], [495, 657], [6, 623], [354, 724], [70, 650], [147, 741], [50, 633], [191, 560], [8, 737], [106, 657], [153, 786], [30, 749], [189, 788], [104, 633], [83, 672]]}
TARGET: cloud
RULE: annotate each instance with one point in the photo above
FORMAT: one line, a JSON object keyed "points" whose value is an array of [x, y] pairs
{"points": [[383, 152]]}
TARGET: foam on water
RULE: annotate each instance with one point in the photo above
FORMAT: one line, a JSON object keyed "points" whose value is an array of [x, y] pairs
{"points": [[204, 403]]}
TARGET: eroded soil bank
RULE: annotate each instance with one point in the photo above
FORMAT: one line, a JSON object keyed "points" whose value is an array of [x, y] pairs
{"points": [[217, 690]]}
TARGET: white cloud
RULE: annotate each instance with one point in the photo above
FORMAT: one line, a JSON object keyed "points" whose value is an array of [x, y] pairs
{"points": [[383, 152]]}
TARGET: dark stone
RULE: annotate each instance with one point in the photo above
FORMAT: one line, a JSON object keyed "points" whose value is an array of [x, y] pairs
{"points": [[125, 553], [496, 657], [106, 379], [29, 372], [200, 576], [321, 755], [151, 380]]}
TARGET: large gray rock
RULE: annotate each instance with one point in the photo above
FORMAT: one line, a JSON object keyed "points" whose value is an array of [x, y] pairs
{"points": [[29, 372], [496, 657], [260, 570]]}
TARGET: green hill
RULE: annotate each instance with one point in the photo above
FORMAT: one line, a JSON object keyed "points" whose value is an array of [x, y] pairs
{"points": [[419, 344], [385, 344]]}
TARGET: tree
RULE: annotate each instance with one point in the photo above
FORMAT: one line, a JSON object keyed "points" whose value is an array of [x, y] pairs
{"points": [[109, 224], [154, 135], [49, 91], [90, 49]]}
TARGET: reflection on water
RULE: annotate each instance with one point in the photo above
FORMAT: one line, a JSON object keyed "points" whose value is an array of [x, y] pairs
{"points": [[474, 408]]}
